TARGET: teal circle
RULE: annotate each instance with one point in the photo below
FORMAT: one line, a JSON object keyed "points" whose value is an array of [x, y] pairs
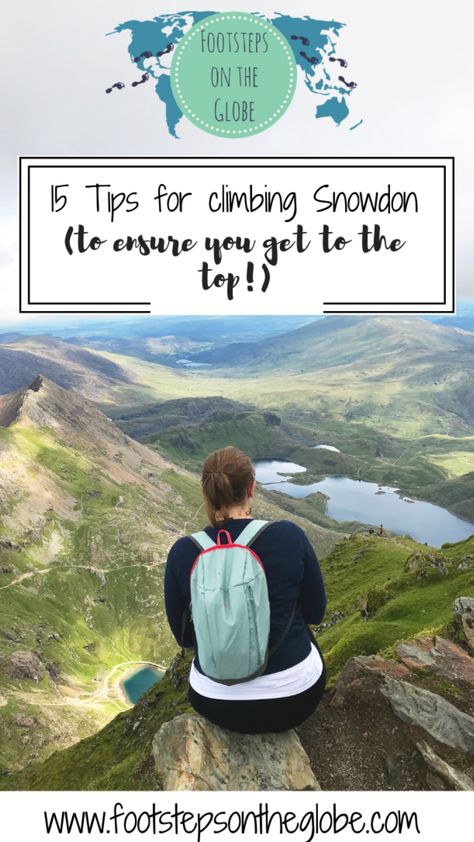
{"points": [[233, 74]]}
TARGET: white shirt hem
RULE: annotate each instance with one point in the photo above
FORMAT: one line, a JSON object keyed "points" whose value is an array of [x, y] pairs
{"points": [[275, 685]]}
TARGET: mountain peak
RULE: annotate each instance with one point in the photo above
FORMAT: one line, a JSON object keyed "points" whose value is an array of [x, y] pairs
{"points": [[30, 403], [36, 384], [45, 404], [11, 404]]}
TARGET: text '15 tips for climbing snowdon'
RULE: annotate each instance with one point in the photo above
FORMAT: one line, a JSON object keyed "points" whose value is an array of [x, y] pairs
{"points": [[249, 236]]}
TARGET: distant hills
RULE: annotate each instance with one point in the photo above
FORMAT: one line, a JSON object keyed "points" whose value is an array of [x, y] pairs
{"points": [[400, 373], [213, 328], [69, 366], [348, 340], [404, 372]]}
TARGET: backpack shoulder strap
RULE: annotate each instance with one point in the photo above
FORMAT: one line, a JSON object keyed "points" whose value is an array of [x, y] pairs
{"points": [[202, 540], [250, 532]]}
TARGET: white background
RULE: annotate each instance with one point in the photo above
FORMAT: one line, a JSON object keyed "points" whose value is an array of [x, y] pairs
{"points": [[412, 62]]}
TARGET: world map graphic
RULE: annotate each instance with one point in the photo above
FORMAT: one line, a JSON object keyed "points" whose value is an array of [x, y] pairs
{"points": [[314, 42]]}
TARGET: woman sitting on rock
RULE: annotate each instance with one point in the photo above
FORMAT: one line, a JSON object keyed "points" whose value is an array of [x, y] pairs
{"points": [[252, 587]]}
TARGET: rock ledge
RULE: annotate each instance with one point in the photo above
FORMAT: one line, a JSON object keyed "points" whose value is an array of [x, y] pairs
{"points": [[191, 753]]}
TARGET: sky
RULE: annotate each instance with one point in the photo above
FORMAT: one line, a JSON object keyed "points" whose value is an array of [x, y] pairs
{"points": [[412, 65]]}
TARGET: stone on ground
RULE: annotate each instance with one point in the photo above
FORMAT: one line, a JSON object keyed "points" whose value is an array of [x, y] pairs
{"points": [[453, 777], [438, 717], [464, 613], [25, 664], [442, 656]]}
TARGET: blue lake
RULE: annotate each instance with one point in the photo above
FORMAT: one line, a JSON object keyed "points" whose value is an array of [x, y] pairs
{"points": [[141, 681], [369, 503]]}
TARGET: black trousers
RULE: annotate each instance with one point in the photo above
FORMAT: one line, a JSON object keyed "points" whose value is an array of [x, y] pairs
{"points": [[260, 716]]}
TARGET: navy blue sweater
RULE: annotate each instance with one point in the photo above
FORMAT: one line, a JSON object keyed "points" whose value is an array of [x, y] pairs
{"points": [[292, 572]]}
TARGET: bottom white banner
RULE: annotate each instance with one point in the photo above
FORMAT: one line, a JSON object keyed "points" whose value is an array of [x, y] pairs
{"points": [[201, 816]]}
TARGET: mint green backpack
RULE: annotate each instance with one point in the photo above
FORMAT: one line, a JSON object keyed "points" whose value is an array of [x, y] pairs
{"points": [[230, 606]]}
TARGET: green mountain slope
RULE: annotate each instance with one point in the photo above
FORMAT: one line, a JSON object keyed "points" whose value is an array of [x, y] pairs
{"points": [[87, 516], [384, 590], [189, 428], [434, 468], [119, 756], [86, 519]]}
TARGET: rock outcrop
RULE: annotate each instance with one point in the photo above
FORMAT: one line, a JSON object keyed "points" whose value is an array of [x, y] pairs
{"points": [[421, 563], [442, 656], [464, 613], [452, 777], [193, 754], [390, 723], [431, 712], [25, 664]]}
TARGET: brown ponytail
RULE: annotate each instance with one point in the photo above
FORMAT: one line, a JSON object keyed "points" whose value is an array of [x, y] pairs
{"points": [[226, 478]]}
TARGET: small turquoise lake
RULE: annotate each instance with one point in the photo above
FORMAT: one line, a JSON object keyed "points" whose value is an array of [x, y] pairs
{"points": [[137, 684]]}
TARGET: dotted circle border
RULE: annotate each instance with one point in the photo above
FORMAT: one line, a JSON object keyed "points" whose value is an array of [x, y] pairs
{"points": [[219, 18]]}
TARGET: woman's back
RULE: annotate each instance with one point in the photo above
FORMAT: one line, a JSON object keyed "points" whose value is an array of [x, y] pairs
{"points": [[293, 682]]}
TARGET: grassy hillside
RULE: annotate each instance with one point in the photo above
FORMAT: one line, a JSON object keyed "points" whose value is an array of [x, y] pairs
{"points": [[86, 519], [387, 590], [188, 429]]}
